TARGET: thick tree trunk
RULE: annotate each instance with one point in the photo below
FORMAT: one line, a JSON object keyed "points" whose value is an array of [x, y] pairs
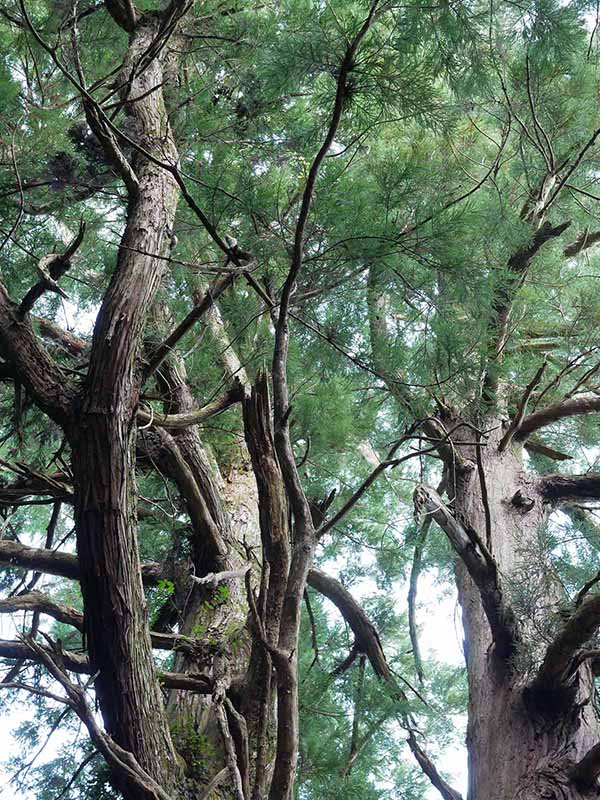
{"points": [[218, 621], [103, 444], [521, 743]]}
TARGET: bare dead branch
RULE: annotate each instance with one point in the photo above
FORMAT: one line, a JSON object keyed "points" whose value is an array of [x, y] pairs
{"points": [[201, 307], [215, 782], [120, 761], [37, 601], [195, 499], [481, 567], [389, 463], [298, 502], [55, 562], [429, 768], [234, 772], [518, 269], [77, 772], [19, 650], [358, 705], [176, 422], [517, 420], [72, 344], [539, 448], [412, 596], [585, 589], [216, 577], [51, 268], [79, 664], [365, 633]]}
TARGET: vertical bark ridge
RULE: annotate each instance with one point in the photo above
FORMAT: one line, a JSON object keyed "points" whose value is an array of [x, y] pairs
{"points": [[103, 442]]}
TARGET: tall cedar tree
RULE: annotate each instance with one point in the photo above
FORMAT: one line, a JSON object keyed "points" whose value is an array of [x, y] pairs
{"points": [[271, 272]]}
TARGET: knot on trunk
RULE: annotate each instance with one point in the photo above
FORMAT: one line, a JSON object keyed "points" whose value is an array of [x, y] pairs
{"points": [[522, 502]]}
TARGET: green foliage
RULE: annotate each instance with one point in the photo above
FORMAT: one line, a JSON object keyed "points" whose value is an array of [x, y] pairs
{"points": [[195, 748], [415, 202]]}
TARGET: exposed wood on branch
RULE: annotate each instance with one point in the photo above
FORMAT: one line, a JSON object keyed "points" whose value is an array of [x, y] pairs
{"points": [[216, 577]]}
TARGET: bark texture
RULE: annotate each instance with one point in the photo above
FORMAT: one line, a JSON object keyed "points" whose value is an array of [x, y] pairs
{"points": [[103, 439], [523, 737]]}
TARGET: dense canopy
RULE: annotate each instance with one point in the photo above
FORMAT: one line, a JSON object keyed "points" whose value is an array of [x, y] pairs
{"points": [[299, 303]]}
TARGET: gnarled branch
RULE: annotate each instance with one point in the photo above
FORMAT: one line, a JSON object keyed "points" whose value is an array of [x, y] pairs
{"points": [[559, 661], [51, 268], [176, 422], [572, 407], [429, 768], [366, 636], [565, 488], [481, 567]]}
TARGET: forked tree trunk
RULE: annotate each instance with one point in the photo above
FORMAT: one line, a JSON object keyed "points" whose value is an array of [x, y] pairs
{"points": [[521, 743]]}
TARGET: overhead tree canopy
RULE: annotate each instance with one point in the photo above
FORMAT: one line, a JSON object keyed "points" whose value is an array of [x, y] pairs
{"points": [[298, 301]]}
